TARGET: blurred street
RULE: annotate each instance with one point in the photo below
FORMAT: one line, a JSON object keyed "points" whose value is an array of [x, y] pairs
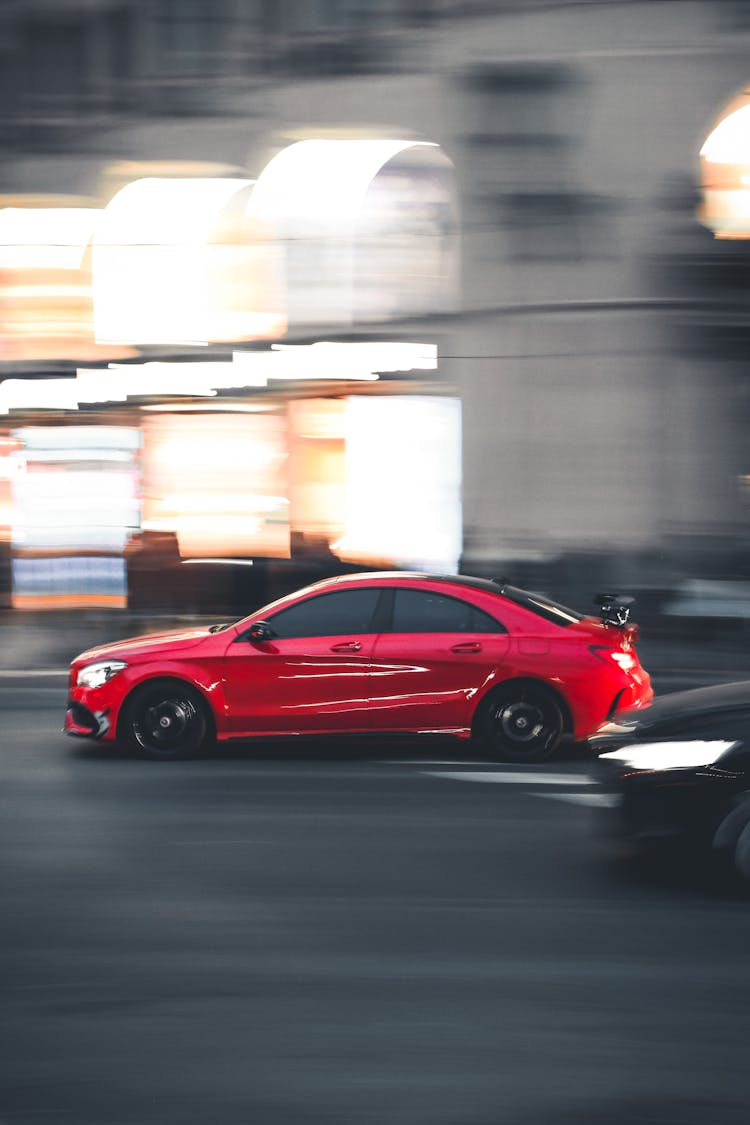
{"points": [[376, 934]]}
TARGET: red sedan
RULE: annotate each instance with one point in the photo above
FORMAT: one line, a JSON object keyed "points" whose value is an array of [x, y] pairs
{"points": [[370, 654]]}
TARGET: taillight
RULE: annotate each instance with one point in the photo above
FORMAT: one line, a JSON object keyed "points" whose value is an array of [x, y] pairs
{"points": [[625, 660]]}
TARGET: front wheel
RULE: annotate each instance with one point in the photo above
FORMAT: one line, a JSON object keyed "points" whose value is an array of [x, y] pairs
{"points": [[742, 855], [167, 721], [522, 723]]}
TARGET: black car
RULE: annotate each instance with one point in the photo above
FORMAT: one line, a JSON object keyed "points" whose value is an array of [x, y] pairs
{"points": [[675, 778]]}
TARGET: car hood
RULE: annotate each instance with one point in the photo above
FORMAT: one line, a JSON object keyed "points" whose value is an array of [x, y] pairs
{"points": [[678, 705], [675, 712], [135, 648]]}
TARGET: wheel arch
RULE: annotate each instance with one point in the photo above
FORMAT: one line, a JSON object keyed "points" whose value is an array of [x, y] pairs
{"points": [[150, 682], [485, 702]]}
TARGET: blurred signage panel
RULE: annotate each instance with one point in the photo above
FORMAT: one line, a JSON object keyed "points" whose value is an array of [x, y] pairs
{"points": [[46, 300], [75, 506], [403, 483], [725, 172], [317, 470], [218, 483], [9, 466], [367, 228], [69, 581], [180, 261]]}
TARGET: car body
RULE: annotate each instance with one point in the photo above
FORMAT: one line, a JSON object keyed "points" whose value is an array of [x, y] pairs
{"points": [[677, 776], [372, 653]]}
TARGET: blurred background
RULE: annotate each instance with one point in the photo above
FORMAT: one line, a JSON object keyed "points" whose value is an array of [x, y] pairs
{"points": [[289, 288]]}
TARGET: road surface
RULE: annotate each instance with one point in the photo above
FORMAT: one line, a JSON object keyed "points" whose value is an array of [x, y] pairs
{"points": [[392, 935]]}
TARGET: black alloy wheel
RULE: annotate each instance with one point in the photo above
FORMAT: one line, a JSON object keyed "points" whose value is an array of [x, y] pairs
{"points": [[167, 721], [522, 724]]}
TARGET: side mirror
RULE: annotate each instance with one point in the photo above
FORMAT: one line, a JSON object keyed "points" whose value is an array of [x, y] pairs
{"points": [[260, 631]]}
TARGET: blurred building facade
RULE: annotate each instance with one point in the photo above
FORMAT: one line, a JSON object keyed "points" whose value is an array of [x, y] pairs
{"points": [[599, 351]]}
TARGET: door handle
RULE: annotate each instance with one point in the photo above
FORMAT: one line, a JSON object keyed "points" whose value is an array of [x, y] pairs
{"points": [[347, 646], [467, 646]]}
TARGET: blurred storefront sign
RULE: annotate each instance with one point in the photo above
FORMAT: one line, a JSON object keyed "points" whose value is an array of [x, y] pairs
{"points": [[310, 471], [407, 511], [725, 171], [9, 466], [218, 483], [402, 509], [75, 496]]}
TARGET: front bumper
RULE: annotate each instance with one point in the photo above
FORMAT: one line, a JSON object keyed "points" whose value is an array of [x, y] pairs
{"points": [[648, 809], [82, 722], [93, 712]]}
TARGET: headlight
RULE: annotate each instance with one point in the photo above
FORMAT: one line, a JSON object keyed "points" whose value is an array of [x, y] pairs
{"points": [[669, 755], [94, 675]]}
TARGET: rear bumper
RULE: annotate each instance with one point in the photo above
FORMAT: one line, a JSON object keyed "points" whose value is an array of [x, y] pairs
{"points": [[636, 694]]}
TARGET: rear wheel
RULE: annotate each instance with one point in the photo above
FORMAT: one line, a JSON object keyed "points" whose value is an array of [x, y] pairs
{"points": [[522, 723], [167, 720]]}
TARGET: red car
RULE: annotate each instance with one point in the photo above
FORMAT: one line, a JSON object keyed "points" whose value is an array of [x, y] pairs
{"points": [[370, 654]]}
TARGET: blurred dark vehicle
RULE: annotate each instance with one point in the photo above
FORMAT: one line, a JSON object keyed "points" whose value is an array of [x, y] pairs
{"points": [[677, 779]]}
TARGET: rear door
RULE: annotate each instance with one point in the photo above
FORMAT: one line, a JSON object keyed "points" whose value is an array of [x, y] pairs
{"points": [[427, 668], [312, 676]]}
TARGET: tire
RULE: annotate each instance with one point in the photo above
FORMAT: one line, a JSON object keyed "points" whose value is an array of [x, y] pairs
{"points": [[731, 841], [166, 720], [522, 723], [742, 855]]}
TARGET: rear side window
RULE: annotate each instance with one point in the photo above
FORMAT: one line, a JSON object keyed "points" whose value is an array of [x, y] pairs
{"points": [[328, 615], [421, 611]]}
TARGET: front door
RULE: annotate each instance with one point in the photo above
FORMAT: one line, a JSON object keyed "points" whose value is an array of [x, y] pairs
{"points": [[312, 676]]}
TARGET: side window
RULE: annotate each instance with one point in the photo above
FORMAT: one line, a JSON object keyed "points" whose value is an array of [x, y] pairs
{"points": [[328, 615], [420, 611]]}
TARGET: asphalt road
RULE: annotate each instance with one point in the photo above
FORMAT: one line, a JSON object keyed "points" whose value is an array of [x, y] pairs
{"points": [[379, 934]]}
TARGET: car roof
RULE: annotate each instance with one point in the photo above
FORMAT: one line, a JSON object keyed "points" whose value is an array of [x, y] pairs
{"points": [[409, 575]]}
